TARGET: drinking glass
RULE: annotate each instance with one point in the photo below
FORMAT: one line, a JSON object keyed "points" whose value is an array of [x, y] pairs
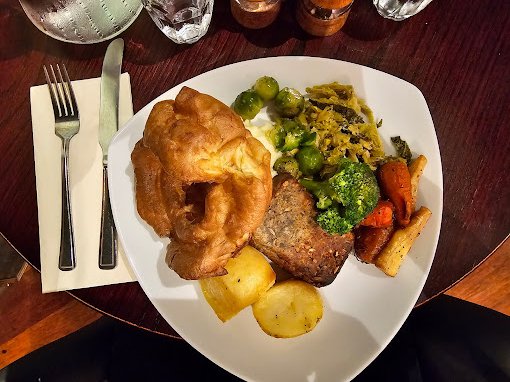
{"points": [[182, 21], [399, 9]]}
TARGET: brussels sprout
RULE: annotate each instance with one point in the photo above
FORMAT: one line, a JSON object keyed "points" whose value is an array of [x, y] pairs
{"points": [[310, 160], [248, 104], [277, 136], [290, 132], [288, 125], [291, 142], [266, 87], [289, 102], [287, 164]]}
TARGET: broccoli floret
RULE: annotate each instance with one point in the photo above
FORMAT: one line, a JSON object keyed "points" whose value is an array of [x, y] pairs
{"points": [[323, 201], [354, 187], [321, 190], [332, 221]]}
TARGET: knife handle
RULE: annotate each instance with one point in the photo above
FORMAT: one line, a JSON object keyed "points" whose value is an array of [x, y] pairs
{"points": [[108, 239]]}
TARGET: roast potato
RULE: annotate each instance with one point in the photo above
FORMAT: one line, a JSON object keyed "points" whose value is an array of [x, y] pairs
{"points": [[392, 255], [249, 276], [289, 309]]}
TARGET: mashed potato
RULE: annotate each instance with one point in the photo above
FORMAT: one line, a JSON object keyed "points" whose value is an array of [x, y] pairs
{"points": [[259, 132]]}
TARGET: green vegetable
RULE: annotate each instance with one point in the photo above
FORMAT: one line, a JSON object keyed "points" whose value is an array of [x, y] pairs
{"points": [[310, 160], [332, 221], [402, 149], [291, 141], [289, 102], [293, 134], [355, 188], [266, 87], [323, 202], [349, 114], [322, 192], [276, 135], [287, 164], [289, 125], [344, 124], [327, 171], [248, 104], [309, 139]]}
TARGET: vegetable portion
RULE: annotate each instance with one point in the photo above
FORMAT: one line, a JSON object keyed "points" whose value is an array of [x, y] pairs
{"points": [[344, 124], [381, 216], [395, 182], [392, 255], [249, 276], [289, 309], [330, 142], [289, 102], [416, 171], [287, 164], [248, 104], [287, 135], [369, 241], [266, 87], [354, 193], [310, 160], [402, 148]]}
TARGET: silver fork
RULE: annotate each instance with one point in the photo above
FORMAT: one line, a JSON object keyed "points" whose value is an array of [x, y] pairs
{"points": [[67, 125]]}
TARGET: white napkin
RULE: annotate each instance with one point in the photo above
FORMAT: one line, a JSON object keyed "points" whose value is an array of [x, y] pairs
{"points": [[85, 172]]}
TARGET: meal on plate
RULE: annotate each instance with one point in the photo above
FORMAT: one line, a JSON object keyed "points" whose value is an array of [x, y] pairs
{"points": [[205, 181]]}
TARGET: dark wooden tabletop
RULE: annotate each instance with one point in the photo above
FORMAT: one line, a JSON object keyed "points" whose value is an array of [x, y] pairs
{"points": [[456, 53]]}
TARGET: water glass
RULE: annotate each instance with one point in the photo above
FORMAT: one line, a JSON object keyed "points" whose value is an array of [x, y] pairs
{"points": [[399, 9], [182, 21]]}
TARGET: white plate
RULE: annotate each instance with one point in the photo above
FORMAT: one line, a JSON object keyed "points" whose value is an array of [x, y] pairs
{"points": [[364, 309]]}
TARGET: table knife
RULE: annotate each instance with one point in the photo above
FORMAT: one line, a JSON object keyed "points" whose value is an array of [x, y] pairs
{"points": [[108, 126]]}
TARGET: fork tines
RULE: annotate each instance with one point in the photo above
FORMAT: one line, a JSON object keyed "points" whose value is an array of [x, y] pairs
{"points": [[61, 92]]}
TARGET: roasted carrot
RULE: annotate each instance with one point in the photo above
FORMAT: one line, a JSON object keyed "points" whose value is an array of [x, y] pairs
{"points": [[395, 182], [381, 216], [369, 241]]}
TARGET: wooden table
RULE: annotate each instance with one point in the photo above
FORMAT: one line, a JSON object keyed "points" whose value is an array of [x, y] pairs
{"points": [[457, 54]]}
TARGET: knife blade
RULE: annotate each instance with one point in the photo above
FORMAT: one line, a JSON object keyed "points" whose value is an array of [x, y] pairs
{"points": [[108, 126]]}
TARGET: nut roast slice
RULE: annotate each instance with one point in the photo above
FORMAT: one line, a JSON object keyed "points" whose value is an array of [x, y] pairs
{"points": [[291, 238]]}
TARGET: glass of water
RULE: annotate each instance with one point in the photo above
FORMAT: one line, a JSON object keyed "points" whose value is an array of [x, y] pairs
{"points": [[399, 9], [182, 21]]}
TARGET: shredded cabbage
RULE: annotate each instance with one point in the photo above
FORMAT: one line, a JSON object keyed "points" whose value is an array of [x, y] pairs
{"points": [[344, 124]]}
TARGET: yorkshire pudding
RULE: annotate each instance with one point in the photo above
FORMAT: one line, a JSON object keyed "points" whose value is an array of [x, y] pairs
{"points": [[202, 180]]}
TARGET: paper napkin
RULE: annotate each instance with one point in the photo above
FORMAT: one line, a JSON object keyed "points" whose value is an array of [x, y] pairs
{"points": [[85, 172]]}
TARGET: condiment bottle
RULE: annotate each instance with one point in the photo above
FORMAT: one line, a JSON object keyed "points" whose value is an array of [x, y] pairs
{"points": [[255, 14], [322, 17]]}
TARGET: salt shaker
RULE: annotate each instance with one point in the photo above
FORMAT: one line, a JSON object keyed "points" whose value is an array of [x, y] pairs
{"points": [[255, 14], [322, 17]]}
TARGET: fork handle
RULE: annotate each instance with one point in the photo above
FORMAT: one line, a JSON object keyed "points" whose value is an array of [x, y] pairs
{"points": [[108, 240], [67, 258]]}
